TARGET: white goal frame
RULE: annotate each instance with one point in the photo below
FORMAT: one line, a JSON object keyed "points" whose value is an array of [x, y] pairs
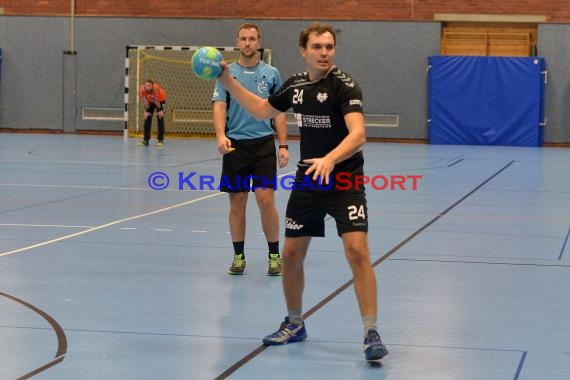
{"points": [[198, 117]]}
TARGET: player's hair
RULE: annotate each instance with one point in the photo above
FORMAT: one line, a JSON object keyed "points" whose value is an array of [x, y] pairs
{"points": [[318, 29], [248, 25], [149, 81]]}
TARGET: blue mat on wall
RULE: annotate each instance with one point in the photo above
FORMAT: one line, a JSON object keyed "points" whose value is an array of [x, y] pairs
{"points": [[486, 100]]}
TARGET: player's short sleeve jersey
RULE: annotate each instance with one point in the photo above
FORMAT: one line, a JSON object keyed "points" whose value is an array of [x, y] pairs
{"points": [[319, 108], [262, 80], [157, 94]]}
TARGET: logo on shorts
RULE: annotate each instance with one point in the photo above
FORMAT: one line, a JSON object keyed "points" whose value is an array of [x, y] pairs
{"points": [[291, 224]]}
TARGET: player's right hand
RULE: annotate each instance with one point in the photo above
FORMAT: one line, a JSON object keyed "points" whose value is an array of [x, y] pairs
{"points": [[225, 70], [225, 146]]}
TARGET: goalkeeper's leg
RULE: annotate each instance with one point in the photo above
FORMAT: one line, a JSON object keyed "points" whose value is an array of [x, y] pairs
{"points": [[147, 125], [160, 119]]}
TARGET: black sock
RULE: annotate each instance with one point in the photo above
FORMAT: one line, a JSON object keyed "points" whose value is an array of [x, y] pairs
{"points": [[273, 246], [238, 247]]}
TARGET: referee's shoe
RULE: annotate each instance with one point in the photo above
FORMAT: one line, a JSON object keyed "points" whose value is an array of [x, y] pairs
{"points": [[238, 265], [274, 265]]}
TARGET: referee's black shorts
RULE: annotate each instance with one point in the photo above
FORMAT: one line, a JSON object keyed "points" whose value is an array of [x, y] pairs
{"points": [[253, 164]]}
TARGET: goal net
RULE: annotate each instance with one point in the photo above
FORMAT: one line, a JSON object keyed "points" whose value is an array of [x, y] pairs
{"points": [[188, 102]]}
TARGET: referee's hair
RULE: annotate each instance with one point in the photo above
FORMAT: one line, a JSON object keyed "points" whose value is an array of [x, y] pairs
{"points": [[249, 25]]}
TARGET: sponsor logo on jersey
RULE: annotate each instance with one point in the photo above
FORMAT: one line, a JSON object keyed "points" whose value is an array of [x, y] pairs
{"points": [[322, 97], [262, 87], [313, 121]]}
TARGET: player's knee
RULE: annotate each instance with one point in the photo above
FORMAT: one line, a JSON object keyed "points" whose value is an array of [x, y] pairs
{"points": [[266, 205], [265, 202], [238, 200], [357, 254], [291, 257]]}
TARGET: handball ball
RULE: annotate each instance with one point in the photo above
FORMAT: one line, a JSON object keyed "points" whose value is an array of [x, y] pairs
{"points": [[206, 63]]}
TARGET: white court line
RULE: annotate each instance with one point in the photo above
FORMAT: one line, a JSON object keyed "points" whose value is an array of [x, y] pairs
{"points": [[40, 225], [96, 163], [91, 229], [65, 237], [90, 187], [148, 188]]}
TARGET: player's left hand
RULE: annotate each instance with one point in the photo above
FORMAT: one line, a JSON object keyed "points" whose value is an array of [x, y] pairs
{"points": [[321, 169]]}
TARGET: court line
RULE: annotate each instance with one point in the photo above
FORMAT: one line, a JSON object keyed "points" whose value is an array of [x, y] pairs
{"points": [[458, 261], [244, 360], [455, 163], [102, 226], [85, 187], [519, 368], [564, 245], [40, 225], [61, 338], [489, 218]]}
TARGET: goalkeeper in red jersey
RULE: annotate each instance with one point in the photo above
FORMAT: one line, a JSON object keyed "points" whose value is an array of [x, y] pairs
{"points": [[154, 99]]}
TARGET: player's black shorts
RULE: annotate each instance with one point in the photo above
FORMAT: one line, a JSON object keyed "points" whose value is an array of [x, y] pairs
{"points": [[252, 164], [308, 206]]}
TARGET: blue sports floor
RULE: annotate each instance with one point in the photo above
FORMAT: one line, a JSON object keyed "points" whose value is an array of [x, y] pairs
{"points": [[102, 277]]}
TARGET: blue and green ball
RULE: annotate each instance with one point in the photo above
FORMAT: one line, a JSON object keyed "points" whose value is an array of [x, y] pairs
{"points": [[206, 63]]}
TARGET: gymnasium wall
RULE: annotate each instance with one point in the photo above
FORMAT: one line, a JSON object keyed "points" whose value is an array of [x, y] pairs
{"points": [[395, 10], [554, 42], [388, 58]]}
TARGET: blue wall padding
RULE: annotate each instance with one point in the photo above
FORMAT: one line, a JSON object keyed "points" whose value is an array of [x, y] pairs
{"points": [[486, 100]]}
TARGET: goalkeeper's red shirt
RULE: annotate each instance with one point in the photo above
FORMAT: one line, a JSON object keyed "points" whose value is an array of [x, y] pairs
{"points": [[156, 95]]}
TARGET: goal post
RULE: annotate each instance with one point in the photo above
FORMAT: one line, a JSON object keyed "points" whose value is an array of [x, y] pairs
{"points": [[188, 98]]}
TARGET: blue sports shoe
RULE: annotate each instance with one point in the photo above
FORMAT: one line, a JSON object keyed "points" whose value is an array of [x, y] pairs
{"points": [[373, 347], [287, 333]]}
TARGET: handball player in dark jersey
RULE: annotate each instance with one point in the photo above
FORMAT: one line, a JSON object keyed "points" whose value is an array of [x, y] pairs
{"points": [[328, 108]]}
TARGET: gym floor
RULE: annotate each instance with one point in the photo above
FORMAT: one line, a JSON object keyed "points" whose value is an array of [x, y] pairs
{"points": [[102, 277]]}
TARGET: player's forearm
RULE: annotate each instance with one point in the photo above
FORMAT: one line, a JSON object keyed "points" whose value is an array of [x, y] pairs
{"points": [[219, 119], [219, 128], [353, 142], [258, 107], [281, 128], [350, 145]]}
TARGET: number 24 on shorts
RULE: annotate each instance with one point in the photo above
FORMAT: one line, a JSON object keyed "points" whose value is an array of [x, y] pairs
{"points": [[355, 212]]}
